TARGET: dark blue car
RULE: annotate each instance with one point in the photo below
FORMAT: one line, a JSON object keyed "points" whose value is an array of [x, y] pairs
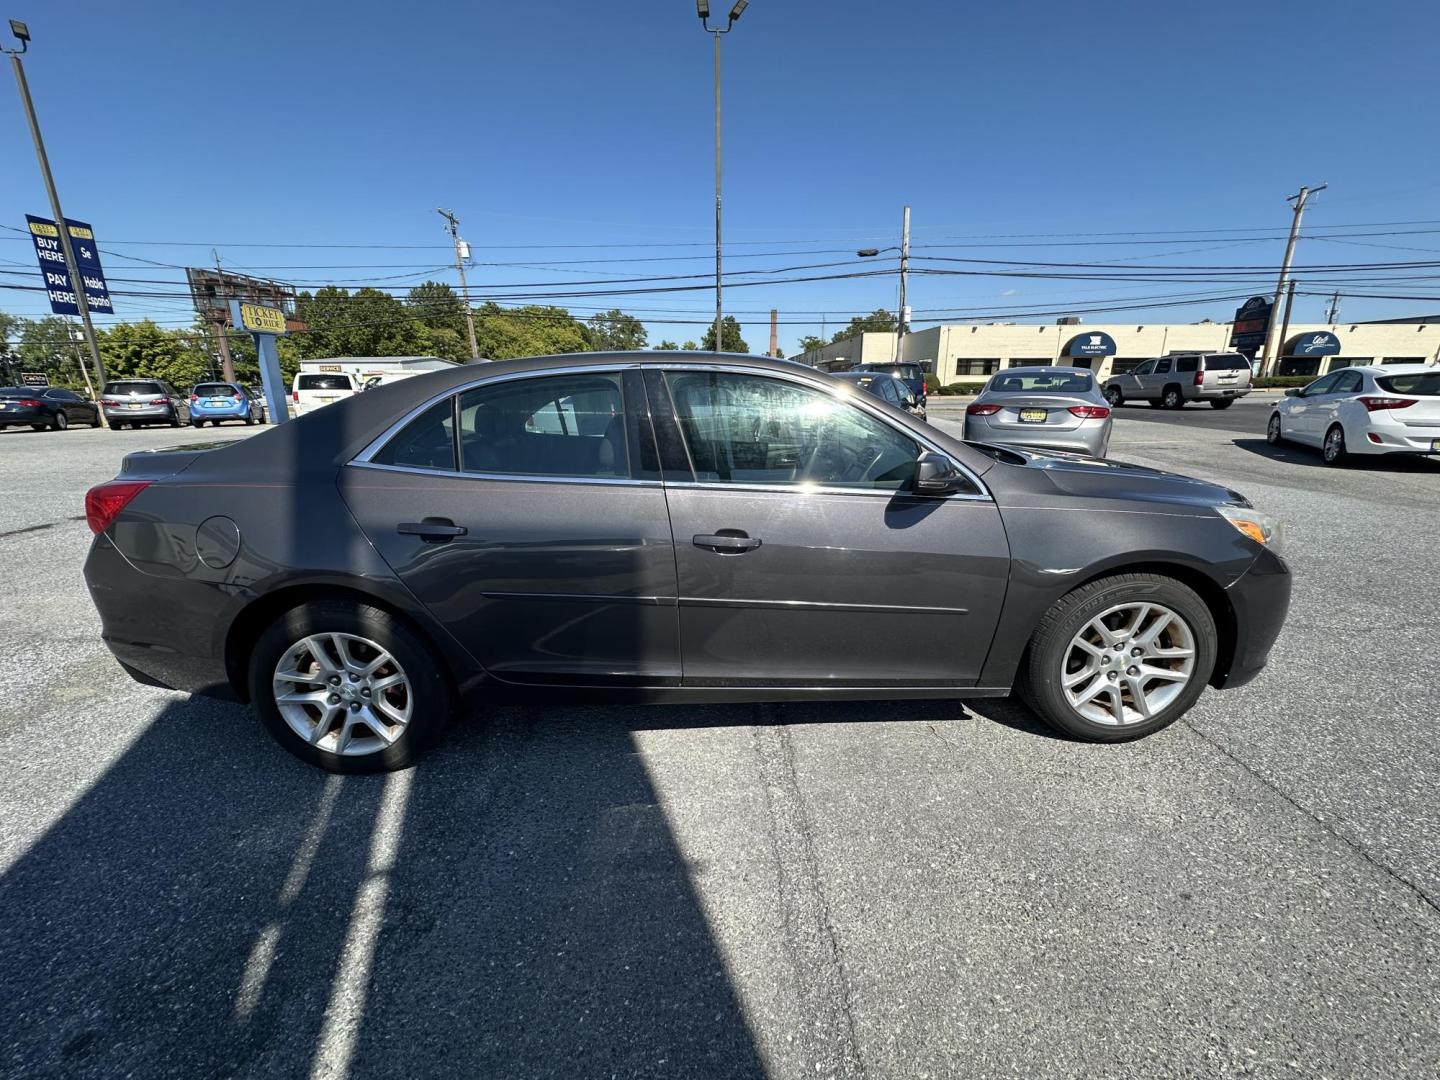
{"points": [[217, 401]]}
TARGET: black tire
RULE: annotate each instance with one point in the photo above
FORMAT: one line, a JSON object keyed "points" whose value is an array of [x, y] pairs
{"points": [[1221, 402], [174, 419], [264, 418], [1114, 396], [1043, 663], [431, 706], [249, 419], [196, 423], [1273, 433], [37, 427], [1173, 398], [1332, 450], [60, 422], [95, 420], [1155, 403]]}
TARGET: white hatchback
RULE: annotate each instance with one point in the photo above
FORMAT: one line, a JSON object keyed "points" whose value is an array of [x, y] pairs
{"points": [[1363, 410]]}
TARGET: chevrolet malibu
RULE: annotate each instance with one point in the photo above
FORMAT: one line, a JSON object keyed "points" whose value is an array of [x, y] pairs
{"points": [[668, 529]]}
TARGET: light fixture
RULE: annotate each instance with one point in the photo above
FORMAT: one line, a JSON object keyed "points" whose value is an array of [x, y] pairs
{"points": [[21, 31], [702, 8], [866, 253], [738, 9]]}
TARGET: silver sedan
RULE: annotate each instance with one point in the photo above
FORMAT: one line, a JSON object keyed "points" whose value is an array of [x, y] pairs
{"points": [[1049, 408]]}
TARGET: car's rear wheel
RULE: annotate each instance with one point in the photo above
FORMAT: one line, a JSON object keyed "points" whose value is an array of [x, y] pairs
{"points": [[196, 423], [1221, 403], [95, 420], [1172, 398], [1333, 449], [1273, 435], [1114, 396], [1120, 658], [60, 422], [348, 687]]}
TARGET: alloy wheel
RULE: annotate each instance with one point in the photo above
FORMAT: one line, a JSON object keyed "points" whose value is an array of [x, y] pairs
{"points": [[1128, 664], [1272, 431], [61, 421], [1334, 448], [342, 693]]}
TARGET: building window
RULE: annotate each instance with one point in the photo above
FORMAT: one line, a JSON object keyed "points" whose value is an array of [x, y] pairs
{"points": [[1123, 365], [1299, 365], [1404, 360], [1030, 361], [976, 366]]}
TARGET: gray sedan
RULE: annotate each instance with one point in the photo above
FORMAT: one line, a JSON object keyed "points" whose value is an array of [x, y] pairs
{"points": [[1055, 408]]}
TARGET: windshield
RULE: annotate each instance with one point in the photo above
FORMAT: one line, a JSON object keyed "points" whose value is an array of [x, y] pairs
{"points": [[1042, 382], [126, 388], [323, 382], [900, 371], [1416, 383]]}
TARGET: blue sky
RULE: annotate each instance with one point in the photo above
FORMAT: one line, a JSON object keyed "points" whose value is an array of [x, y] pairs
{"points": [[555, 128]]}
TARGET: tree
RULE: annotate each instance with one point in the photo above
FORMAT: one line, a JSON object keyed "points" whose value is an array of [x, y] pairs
{"points": [[730, 339], [667, 346], [144, 350], [11, 327], [690, 346], [878, 321], [779, 353], [810, 343], [439, 309], [532, 330], [46, 345], [366, 323], [614, 331]]}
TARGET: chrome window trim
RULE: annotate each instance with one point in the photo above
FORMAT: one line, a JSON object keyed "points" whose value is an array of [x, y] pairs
{"points": [[527, 478], [841, 392], [815, 489], [375, 445]]}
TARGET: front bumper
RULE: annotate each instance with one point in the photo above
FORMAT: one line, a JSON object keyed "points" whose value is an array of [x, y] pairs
{"points": [[1260, 598]]}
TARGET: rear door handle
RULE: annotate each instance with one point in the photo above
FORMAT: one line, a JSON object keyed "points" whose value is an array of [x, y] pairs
{"points": [[733, 542], [433, 530]]}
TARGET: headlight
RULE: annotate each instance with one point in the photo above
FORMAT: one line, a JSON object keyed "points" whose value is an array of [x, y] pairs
{"points": [[1262, 528]]}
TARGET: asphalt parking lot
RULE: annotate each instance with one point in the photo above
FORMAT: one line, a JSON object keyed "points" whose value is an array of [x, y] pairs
{"points": [[858, 890]]}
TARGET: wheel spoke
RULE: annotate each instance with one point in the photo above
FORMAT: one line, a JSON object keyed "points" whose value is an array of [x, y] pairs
{"points": [[1137, 695], [322, 727], [1163, 620], [1168, 653], [345, 728], [1094, 690], [342, 650], [387, 682], [1075, 678], [1149, 671], [1085, 645], [1110, 637], [316, 647], [374, 723], [309, 697], [1142, 612], [1117, 703]]}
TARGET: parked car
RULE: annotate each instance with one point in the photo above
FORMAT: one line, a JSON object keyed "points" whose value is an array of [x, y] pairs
{"points": [[312, 390], [1056, 408], [887, 388], [912, 375], [217, 401], [143, 401], [675, 528], [42, 407], [1171, 381], [1356, 411]]}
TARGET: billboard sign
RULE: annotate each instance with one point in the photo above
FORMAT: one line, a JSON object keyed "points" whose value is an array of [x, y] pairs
{"points": [[51, 256], [1252, 322]]}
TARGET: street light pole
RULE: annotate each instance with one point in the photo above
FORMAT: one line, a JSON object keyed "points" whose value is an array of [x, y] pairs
{"points": [[702, 8], [77, 283]]}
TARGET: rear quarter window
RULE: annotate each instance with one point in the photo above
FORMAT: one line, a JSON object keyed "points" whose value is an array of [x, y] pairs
{"points": [[1226, 362]]}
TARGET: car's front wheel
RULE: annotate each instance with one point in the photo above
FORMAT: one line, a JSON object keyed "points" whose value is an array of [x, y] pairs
{"points": [[1120, 658], [1273, 434], [348, 687]]}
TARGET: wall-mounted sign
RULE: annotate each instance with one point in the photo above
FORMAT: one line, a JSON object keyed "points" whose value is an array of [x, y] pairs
{"points": [[1092, 344], [1323, 343], [1252, 322]]}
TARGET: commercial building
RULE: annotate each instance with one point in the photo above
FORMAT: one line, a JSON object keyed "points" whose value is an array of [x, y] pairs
{"points": [[969, 354]]}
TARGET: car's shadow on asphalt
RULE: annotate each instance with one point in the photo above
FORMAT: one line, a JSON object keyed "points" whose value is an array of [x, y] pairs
{"points": [[513, 906], [1294, 454]]}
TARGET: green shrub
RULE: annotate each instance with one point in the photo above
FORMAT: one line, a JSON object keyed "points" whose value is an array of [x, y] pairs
{"points": [[1283, 382]]}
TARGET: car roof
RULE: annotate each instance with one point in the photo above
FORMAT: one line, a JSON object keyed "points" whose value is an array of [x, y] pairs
{"points": [[1394, 369]]}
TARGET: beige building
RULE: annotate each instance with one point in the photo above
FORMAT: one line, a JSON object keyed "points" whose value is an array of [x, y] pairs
{"points": [[969, 354]]}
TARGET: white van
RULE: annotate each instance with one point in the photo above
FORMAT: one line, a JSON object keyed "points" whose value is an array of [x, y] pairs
{"points": [[312, 390]]}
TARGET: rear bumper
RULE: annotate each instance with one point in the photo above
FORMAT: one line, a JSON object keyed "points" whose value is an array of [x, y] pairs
{"points": [[1083, 440], [1208, 394], [1260, 598], [22, 417], [1393, 440], [161, 630], [149, 412]]}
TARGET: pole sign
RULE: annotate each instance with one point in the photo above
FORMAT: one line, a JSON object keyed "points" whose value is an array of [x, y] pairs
{"points": [[1252, 321], [51, 255], [34, 378], [264, 324]]}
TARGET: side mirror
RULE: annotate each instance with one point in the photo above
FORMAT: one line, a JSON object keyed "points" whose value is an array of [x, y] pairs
{"points": [[1294, 391], [937, 475], [912, 401]]}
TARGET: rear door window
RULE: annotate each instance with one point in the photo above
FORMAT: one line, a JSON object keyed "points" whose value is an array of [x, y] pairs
{"points": [[1162, 367], [1347, 383], [1187, 363], [560, 425]]}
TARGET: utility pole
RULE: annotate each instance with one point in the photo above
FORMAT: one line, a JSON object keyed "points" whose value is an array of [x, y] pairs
{"points": [[218, 319], [77, 283], [1285, 325], [1300, 198], [462, 252], [774, 332], [1334, 312], [904, 280], [75, 336]]}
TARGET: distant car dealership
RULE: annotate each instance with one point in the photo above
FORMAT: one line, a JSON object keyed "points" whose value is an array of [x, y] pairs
{"points": [[965, 353]]}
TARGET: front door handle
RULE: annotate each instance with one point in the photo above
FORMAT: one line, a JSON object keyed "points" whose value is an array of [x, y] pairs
{"points": [[730, 542], [433, 530]]}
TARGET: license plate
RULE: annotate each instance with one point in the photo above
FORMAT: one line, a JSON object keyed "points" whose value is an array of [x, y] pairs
{"points": [[214, 401], [134, 406], [1033, 416]]}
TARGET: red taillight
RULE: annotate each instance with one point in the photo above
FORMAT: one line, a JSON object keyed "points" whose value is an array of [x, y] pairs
{"points": [[29, 402], [105, 501], [1199, 378], [1380, 404], [982, 410], [1090, 412], [238, 399], [194, 398], [295, 396], [159, 401]]}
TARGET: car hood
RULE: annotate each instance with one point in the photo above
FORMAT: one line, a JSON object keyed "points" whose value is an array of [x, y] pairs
{"points": [[1105, 478]]}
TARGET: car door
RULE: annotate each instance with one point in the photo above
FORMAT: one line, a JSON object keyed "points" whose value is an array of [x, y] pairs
{"points": [[527, 515], [802, 557], [55, 399], [1304, 418], [1346, 386], [1153, 384], [1131, 383]]}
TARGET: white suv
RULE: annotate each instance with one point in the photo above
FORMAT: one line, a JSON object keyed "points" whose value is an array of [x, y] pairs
{"points": [[1171, 381], [313, 390]]}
